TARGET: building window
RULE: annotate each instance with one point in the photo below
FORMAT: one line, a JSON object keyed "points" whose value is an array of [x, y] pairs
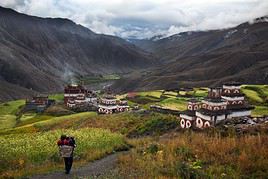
{"points": [[227, 91], [206, 124], [199, 123], [190, 107], [182, 123], [188, 124], [236, 91]]}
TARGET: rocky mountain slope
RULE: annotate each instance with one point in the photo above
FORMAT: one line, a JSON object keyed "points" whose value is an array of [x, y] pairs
{"points": [[37, 54], [208, 58]]}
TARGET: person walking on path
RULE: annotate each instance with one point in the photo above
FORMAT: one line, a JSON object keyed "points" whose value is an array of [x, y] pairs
{"points": [[66, 148]]}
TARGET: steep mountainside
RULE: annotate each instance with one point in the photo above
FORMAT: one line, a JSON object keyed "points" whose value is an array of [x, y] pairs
{"points": [[208, 58], [37, 53]]}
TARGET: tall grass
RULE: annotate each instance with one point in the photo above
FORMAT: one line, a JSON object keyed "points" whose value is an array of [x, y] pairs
{"points": [[193, 155], [23, 153]]}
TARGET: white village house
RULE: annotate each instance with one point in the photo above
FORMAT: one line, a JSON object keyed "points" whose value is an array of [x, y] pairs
{"points": [[220, 104]]}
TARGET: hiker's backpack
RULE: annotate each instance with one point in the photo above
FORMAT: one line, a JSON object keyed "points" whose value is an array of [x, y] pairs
{"points": [[66, 150]]}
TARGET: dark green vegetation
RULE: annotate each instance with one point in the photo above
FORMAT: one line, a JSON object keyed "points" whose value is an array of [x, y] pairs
{"points": [[98, 79], [156, 126]]}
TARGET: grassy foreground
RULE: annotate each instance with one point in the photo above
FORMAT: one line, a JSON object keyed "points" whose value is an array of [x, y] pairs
{"points": [[24, 154], [196, 155]]}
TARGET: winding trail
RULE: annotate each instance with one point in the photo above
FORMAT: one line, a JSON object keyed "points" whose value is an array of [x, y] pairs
{"points": [[92, 169]]}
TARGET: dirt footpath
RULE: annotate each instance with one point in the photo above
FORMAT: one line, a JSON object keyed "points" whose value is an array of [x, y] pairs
{"points": [[91, 170]]}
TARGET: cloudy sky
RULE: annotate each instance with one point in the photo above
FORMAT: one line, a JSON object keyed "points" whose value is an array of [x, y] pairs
{"points": [[145, 18]]}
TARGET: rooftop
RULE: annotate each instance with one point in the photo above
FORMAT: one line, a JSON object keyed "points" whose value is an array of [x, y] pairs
{"points": [[41, 96], [212, 113], [214, 100], [189, 113], [232, 84], [108, 96], [193, 100], [243, 107], [233, 94]]}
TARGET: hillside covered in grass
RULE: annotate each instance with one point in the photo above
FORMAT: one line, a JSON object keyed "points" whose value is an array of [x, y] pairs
{"points": [[258, 96], [157, 146]]}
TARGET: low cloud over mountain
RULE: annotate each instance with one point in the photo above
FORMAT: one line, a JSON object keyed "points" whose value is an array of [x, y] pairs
{"points": [[144, 19]]}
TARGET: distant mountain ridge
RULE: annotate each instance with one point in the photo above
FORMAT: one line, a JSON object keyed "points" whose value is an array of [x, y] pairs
{"points": [[205, 58], [36, 53]]}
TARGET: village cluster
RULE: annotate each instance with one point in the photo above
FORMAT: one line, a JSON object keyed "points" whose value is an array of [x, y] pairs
{"points": [[222, 103], [77, 97]]}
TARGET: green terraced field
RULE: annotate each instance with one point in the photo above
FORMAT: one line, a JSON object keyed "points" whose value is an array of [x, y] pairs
{"points": [[174, 103], [57, 97], [253, 95], [171, 93], [260, 111], [156, 93], [8, 113], [11, 107], [256, 93], [99, 79], [45, 123], [200, 92], [29, 118]]}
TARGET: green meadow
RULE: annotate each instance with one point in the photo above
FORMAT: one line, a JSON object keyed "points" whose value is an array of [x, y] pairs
{"points": [[8, 112]]}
